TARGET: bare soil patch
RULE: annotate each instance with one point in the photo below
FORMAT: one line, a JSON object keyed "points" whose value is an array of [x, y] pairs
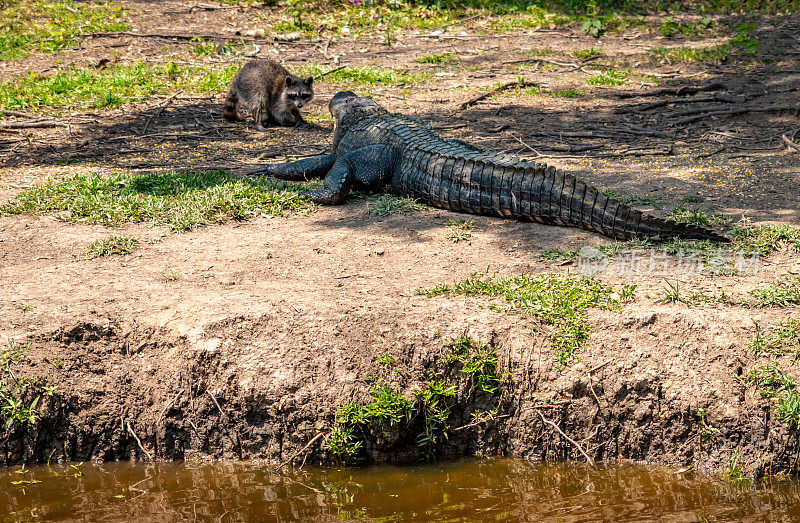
{"points": [[240, 340]]}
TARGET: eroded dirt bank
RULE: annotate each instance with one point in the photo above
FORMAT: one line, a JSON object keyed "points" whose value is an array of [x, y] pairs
{"points": [[267, 327]]}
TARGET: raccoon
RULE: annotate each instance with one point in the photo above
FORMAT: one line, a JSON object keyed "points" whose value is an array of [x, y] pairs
{"points": [[266, 87]]}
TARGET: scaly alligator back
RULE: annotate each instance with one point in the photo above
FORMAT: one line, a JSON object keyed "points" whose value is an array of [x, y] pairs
{"points": [[452, 175]]}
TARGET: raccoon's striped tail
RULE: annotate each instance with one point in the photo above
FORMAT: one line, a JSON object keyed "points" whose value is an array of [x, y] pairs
{"points": [[229, 109]]}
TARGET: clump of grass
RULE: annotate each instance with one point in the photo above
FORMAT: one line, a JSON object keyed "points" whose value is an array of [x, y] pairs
{"points": [[28, 26], [386, 204], [544, 51], [478, 361], [386, 359], [673, 294], [671, 26], [112, 245], [557, 300], [765, 239], [610, 77], [783, 293], [365, 75], [181, 201], [586, 53], [773, 383], [565, 93], [459, 230], [444, 58], [715, 53], [20, 397], [683, 214], [170, 277], [784, 338], [110, 87], [734, 470]]}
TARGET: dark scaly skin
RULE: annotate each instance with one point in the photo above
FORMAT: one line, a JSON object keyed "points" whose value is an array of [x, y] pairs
{"points": [[373, 147]]}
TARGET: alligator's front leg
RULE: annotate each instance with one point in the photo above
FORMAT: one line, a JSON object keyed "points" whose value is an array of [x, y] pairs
{"points": [[314, 167], [367, 166]]}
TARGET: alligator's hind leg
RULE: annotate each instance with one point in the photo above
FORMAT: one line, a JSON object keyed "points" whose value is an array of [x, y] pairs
{"points": [[368, 166], [314, 167]]}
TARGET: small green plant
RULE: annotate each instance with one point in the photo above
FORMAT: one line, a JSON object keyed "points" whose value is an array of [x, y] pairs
{"points": [[784, 338], [386, 359], [583, 54], [706, 430], [20, 397], [180, 200], [459, 230], [672, 294], [593, 27], [773, 383], [734, 470], [25, 307], [203, 49], [119, 245], [478, 361], [716, 53], [386, 204], [565, 93], [610, 77], [434, 405], [743, 38], [170, 276], [444, 58], [765, 239], [783, 293]]}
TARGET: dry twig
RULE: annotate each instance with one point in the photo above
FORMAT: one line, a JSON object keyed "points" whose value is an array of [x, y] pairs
{"points": [[296, 454], [502, 87], [575, 443], [138, 441]]}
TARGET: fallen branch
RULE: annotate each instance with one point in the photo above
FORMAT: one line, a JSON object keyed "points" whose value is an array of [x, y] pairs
{"points": [[167, 406], [296, 454], [9, 112], [138, 441], [790, 143], [502, 87], [683, 91], [716, 97], [329, 72], [32, 124], [734, 110], [575, 443]]}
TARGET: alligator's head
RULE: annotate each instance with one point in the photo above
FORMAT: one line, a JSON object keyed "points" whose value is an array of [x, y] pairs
{"points": [[348, 108]]}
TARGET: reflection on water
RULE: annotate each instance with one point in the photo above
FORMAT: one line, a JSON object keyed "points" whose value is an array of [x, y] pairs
{"points": [[466, 490]]}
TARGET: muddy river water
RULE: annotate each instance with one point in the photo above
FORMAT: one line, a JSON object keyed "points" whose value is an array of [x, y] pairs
{"points": [[464, 490]]}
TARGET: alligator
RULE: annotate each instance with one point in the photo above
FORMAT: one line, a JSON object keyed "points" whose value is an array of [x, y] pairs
{"points": [[374, 148]]}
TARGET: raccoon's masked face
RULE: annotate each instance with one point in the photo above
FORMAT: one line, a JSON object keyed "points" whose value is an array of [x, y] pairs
{"points": [[299, 92]]}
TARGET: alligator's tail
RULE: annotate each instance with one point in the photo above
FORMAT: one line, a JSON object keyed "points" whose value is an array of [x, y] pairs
{"points": [[489, 184]]}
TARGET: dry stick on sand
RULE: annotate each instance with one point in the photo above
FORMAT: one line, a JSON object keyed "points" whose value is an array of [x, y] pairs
{"points": [[575, 443], [502, 87], [138, 441], [296, 454], [329, 72], [790, 143], [32, 124]]}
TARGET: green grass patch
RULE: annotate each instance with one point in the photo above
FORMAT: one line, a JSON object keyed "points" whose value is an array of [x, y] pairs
{"points": [[365, 75], [773, 383], [20, 397], [610, 77], [28, 26], [673, 294], [478, 361], [715, 53], [782, 339], [120, 245], [683, 214], [110, 87], [783, 293], [671, 26], [459, 230], [539, 51], [765, 239], [586, 53], [386, 204], [181, 201], [560, 301], [565, 93], [444, 58]]}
